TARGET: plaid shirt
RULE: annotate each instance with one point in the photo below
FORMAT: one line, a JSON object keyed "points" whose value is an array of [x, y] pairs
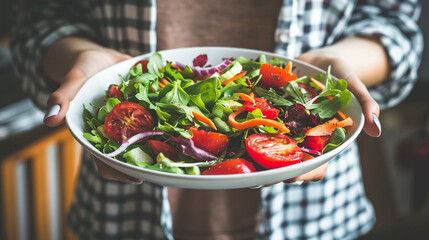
{"points": [[334, 208]]}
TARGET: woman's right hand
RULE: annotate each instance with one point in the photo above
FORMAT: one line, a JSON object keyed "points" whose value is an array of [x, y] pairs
{"points": [[71, 62]]}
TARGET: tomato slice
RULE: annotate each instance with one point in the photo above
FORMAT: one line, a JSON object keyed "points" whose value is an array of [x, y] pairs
{"points": [[114, 91], [274, 76], [168, 150], [266, 107], [273, 150], [231, 166], [126, 120], [144, 65], [211, 142]]}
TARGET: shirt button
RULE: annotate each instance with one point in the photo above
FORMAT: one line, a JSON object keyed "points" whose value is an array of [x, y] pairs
{"points": [[284, 36]]}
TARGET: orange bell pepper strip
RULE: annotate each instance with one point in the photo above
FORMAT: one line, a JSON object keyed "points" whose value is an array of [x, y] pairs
{"points": [[204, 119], [288, 67], [236, 76], [327, 128], [247, 98], [254, 122]]}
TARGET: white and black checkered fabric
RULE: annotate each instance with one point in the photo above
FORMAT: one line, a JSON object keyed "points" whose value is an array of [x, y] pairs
{"points": [[334, 208]]}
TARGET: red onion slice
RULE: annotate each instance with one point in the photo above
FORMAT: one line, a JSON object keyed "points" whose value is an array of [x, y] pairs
{"points": [[204, 71], [131, 140], [310, 151], [189, 149]]}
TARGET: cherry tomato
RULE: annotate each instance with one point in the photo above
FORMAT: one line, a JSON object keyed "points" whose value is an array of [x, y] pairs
{"points": [[232, 166], [126, 120], [115, 92], [168, 150], [211, 142], [273, 150], [274, 76], [143, 63], [266, 107]]}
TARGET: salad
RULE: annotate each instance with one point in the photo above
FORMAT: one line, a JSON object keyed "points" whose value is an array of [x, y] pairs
{"points": [[240, 116]]}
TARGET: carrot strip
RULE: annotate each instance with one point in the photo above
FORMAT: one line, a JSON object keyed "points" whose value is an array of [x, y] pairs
{"points": [[342, 115], [320, 85], [162, 85], [246, 97], [254, 122], [328, 128], [237, 76], [288, 67], [165, 81], [204, 119]]}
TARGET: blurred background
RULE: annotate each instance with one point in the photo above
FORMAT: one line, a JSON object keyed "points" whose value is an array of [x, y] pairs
{"points": [[395, 166]]}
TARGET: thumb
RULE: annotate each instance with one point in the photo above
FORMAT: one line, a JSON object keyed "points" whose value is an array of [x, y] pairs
{"points": [[58, 101]]}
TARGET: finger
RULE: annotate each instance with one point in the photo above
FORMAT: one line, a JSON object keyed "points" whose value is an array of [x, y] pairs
{"points": [[370, 107], [58, 101], [314, 175], [110, 173]]}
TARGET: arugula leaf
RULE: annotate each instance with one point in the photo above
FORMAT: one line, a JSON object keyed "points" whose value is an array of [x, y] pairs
{"points": [[273, 97], [337, 138], [154, 64], [209, 90], [295, 91], [176, 95], [104, 110]]}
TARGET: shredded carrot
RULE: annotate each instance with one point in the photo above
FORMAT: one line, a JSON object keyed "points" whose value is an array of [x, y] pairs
{"points": [[151, 88], [288, 67], [204, 119], [254, 122], [176, 67], [306, 157], [237, 76], [246, 97], [162, 85], [165, 81], [320, 85], [328, 128], [342, 115]]}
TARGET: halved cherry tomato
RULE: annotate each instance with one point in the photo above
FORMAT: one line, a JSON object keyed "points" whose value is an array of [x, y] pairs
{"points": [[211, 142], [166, 149], [232, 166], [273, 150], [143, 63], [274, 76], [126, 120], [266, 107], [115, 92]]}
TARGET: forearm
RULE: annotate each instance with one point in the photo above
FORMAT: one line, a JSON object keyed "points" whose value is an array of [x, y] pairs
{"points": [[62, 54], [366, 57]]}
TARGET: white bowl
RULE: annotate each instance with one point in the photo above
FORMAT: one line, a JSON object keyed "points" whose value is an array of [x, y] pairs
{"points": [[94, 89]]}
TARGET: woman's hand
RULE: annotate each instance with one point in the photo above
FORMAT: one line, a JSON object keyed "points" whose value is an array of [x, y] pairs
{"points": [[361, 62], [71, 62]]}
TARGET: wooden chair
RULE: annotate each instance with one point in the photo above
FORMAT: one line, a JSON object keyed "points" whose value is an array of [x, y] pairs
{"points": [[36, 156]]}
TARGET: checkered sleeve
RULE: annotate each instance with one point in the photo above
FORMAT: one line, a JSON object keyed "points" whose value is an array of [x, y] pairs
{"points": [[38, 26], [395, 22]]}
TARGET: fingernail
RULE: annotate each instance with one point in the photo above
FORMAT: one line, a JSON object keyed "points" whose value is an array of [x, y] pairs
{"points": [[296, 183], [134, 183], [53, 111], [377, 123]]}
